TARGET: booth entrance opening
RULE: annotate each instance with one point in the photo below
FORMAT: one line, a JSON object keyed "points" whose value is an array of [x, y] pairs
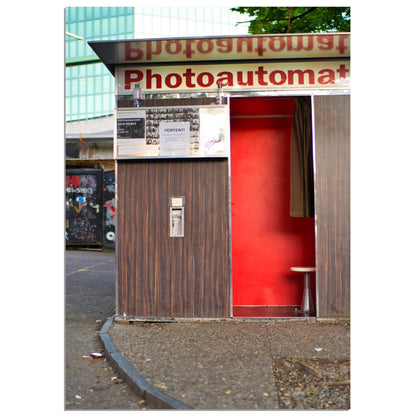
{"points": [[266, 240]]}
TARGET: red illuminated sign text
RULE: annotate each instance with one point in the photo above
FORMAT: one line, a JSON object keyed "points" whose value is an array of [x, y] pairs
{"points": [[152, 79]]}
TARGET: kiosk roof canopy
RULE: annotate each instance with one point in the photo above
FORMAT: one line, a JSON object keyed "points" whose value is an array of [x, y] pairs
{"points": [[308, 46]]}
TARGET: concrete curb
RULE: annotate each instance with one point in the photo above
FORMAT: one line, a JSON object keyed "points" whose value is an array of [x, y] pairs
{"points": [[155, 398]]}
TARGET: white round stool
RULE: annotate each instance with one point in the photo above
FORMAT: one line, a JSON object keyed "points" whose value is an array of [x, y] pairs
{"points": [[307, 306]]}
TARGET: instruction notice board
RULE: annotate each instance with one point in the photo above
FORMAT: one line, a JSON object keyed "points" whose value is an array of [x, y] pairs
{"points": [[174, 138], [172, 132]]}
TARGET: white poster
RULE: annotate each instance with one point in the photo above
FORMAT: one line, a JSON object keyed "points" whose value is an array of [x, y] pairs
{"points": [[214, 131], [175, 138]]}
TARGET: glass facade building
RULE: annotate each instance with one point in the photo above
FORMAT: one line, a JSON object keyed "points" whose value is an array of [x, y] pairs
{"points": [[89, 87]]}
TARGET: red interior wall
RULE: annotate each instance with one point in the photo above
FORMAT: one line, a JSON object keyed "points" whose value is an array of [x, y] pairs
{"points": [[266, 241]]}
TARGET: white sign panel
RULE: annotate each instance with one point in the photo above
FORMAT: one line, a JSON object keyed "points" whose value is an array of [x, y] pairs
{"points": [[172, 132]]}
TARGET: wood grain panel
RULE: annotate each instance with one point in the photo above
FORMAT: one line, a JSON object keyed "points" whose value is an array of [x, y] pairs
{"points": [[332, 150], [163, 276]]}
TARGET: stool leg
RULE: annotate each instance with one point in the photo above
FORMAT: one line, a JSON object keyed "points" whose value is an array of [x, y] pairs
{"points": [[307, 301]]}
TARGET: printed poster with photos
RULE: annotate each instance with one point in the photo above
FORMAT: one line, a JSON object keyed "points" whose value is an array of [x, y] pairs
{"points": [[172, 132]]}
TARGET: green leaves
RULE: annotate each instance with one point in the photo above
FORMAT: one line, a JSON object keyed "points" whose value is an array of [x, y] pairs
{"points": [[297, 19]]}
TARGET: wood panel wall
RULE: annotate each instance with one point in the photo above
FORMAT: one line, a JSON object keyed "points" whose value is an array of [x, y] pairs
{"points": [[163, 276], [332, 156]]}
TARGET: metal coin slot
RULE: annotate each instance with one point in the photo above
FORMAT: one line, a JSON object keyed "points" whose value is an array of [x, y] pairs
{"points": [[177, 221]]}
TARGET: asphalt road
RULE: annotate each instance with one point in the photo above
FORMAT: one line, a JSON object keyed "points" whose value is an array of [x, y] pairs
{"points": [[89, 300]]}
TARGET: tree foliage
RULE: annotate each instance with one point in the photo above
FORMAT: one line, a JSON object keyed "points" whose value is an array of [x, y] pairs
{"points": [[297, 19]]}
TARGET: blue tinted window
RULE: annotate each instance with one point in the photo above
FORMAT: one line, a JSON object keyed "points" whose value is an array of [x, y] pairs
{"points": [[97, 85], [113, 25], [89, 29], [82, 83], [90, 70], [81, 13], [90, 104], [88, 13], [72, 50], [82, 105], [70, 14], [97, 27], [106, 84], [98, 104], [104, 26], [97, 12], [122, 24], [74, 87], [129, 25], [72, 27], [107, 100]]}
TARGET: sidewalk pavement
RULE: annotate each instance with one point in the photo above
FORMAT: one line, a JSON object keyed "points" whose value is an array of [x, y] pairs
{"points": [[216, 364]]}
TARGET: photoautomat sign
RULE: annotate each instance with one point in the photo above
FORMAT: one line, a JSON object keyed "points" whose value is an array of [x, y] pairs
{"points": [[246, 76], [184, 85], [253, 47]]}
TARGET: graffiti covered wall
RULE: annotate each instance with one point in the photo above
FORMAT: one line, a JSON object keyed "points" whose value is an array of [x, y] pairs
{"points": [[109, 207], [84, 219]]}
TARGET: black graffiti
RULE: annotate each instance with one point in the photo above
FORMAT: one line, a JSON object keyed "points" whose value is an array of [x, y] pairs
{"points": [[81, 229], [81, 224]]}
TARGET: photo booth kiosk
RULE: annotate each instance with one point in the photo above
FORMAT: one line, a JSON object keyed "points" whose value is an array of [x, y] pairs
{"points": [[232, 176]]}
